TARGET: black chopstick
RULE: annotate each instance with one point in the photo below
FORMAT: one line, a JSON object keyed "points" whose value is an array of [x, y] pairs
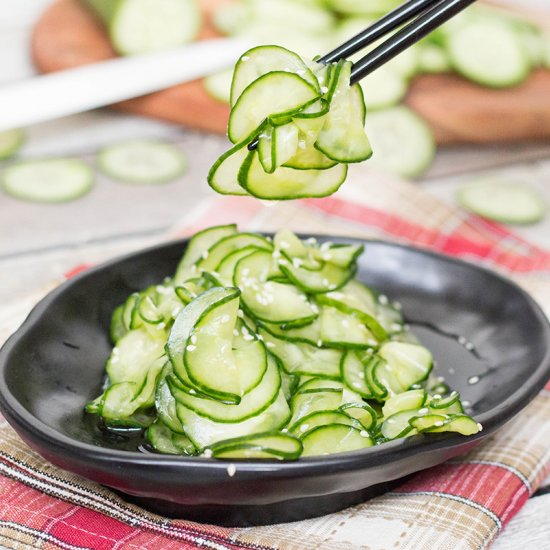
{"points": [[388, 23], [431, 14], [418, 29]]}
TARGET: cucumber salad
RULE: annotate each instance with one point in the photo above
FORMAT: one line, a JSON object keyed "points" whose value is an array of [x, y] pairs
{"points": [[294, 127], [264, 347]]}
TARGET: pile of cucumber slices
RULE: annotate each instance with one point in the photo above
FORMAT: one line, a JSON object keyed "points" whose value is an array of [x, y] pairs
{"points": [[486, 45], [269, 348], [295, 127]]}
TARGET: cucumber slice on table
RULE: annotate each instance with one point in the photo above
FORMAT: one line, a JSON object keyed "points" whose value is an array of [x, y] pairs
{"points": [[383, 88], [48, 180], [489, 52], [142, 161], [218, 85], [502, 201], [402, 142], [10, 142], [433, 59], [142, 26]]}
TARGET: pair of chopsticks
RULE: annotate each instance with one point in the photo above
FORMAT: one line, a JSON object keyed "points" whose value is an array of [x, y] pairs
{"points": [[429, 14]]}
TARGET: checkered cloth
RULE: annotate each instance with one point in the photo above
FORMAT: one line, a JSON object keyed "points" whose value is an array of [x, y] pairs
{"points": [[462, 504]]}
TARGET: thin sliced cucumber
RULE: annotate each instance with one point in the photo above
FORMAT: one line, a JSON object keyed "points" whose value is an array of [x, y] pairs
{"points": [[223, 177], [304, 403], [212, 257], [488, 51], [239, 358], [383, 88], [143, 26], [402, 142], [10, 142], [251, 404], [397, 425], [275, 93], [503, 201], [433, 59], [166, 441], [264, 445], [434, 423], [362, 412], [447, 405], [412, 399], [353, 374], [203, 431], [343, 137], [218, 85], [266, 300], [329, 277], [321, 418], [226, 268], [201, 242], [117, 329], [142, 161], [410, 363], [276, 145], [261, 60], [48, 180], [334, 438], [360, 7], [301, 358]]}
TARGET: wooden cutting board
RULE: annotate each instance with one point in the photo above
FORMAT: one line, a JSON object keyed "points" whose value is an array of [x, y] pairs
{"points": [[67, 35]]}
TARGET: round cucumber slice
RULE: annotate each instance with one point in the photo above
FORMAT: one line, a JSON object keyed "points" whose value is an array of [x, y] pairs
{"points": [[142, 161], [489, 52], [503, 201], [48, 180], [334, 438], [10, 142], [383, 88], [402, 142], [142, 26], [218, 85]]}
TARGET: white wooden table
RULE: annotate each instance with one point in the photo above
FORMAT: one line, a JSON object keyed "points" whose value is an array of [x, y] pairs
{"points": [[40, 242]]}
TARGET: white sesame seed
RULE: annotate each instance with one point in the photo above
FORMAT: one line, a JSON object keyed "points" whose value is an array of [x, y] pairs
{"points": [[284, 430], [270, 344], [192, 391], [245, 58], [284, 244], [311, 240], [207, 453], [397, 305], [466, 403], [473, 380], [469, 346], [479, 426], [297, 262], [191, 348], [319, 343], [364, 433], [204, 255], [231, 469], [324, 89], [224, 319], [304, 427], [235, 332], [383, 299], [423, 411], [438, 423], [462, 340], [240, 313]]}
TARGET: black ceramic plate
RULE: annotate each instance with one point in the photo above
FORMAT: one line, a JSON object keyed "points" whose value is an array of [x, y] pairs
{"points": [[54, 364]]}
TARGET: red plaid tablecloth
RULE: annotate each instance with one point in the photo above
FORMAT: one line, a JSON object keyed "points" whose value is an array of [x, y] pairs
{"points": [[462, 504]]}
